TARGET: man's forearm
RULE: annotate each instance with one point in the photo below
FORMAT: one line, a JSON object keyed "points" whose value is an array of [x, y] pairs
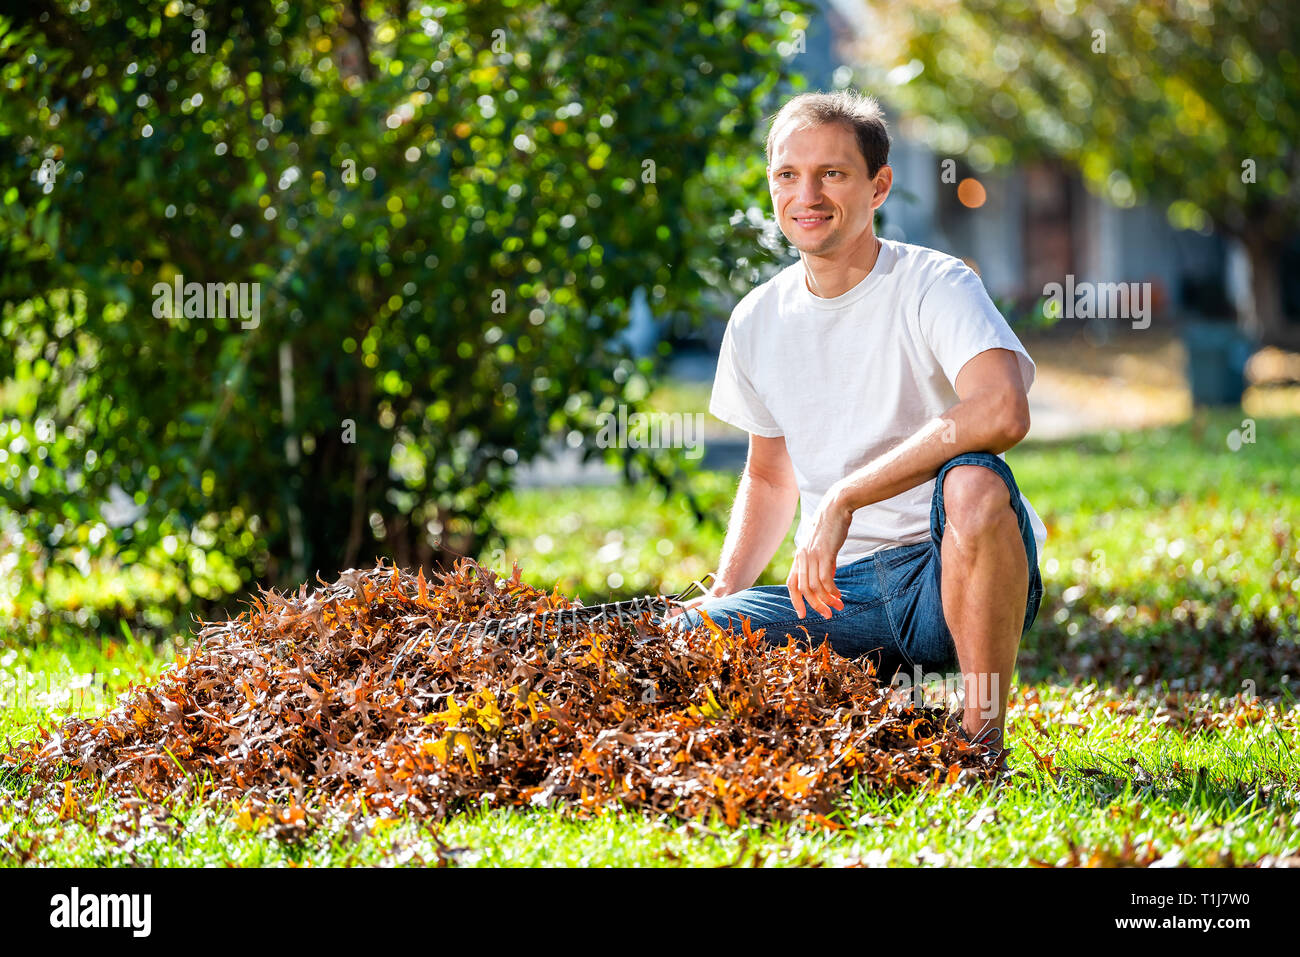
{"points": [[760, 519], [986, 424]]}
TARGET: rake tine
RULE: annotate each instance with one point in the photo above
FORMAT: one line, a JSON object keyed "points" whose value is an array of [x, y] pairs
{"points": [[410, 642], [398, 660], [406, 649]]}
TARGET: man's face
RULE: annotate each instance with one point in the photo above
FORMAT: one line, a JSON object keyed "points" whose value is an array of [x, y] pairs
{"points": [[821, 192]]}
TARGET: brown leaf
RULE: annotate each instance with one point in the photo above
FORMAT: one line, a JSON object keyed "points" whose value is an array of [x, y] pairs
{"points": [[353, 693]]}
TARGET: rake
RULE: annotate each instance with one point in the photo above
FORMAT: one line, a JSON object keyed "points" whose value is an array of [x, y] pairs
{"points": [[622, 612]]}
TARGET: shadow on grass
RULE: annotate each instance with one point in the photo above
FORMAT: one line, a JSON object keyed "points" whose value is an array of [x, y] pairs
{"points": [[1259, 777], [1197, 645]]}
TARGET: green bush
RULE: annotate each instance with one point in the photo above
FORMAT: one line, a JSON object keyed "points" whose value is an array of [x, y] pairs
{"points": [[446, 211]]}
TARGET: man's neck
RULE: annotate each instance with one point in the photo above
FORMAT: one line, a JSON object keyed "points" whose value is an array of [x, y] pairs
{"points": [[831, 276]]}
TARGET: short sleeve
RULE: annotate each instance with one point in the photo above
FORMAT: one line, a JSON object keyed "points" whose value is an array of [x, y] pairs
{"points": [[958, 321], [734, 399]]}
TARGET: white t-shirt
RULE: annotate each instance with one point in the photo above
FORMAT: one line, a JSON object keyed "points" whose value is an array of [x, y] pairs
{"points": [[847, 379]]}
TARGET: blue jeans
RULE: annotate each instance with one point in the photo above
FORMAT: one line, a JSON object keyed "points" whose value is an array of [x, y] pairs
{"points": [[893, 610]]}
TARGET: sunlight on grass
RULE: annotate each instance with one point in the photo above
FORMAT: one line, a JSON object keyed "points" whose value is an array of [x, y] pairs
{"points": [[1172, 570]]}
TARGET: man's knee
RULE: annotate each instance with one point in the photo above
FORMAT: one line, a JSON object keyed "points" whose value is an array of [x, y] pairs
{"points": [[976, 501]]}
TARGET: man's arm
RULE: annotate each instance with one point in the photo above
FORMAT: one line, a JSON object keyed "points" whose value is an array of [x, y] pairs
{"points": [[760, 517], [991, 416]]}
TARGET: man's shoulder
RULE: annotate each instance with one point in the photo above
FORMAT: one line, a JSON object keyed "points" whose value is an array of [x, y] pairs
{"points": [[918, 268], [926, 264], [766, 297]]}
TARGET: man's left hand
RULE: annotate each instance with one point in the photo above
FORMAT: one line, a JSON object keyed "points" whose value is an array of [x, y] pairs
{"points": [[812, 574]]}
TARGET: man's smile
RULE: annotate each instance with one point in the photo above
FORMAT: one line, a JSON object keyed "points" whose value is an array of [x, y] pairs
{"points": [[810, 221]]}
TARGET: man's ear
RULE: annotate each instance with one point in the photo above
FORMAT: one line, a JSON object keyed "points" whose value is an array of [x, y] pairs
{"points": [[884, 183]]}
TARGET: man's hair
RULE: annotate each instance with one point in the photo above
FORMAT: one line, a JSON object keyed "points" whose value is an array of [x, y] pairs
{"points": [[862, 114]]}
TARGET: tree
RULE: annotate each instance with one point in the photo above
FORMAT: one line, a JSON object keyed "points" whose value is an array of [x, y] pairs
{"points": [[1195, 104], [445, 213]]}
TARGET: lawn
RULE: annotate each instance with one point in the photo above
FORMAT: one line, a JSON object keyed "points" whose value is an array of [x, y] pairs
{"points": [[1153, 719]]}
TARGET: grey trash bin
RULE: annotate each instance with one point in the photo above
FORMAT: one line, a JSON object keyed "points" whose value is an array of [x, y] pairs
{"points": [[1217, 353]]}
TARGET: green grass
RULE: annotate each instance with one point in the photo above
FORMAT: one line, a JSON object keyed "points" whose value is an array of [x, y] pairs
{"points": [[617, 542], [1172, 573]]}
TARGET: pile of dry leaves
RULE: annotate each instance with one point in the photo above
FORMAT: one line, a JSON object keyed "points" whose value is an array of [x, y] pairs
{"points": [[306, 702]]}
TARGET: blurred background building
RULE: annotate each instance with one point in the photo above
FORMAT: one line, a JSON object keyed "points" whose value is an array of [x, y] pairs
{"points": [[1030, 223]]}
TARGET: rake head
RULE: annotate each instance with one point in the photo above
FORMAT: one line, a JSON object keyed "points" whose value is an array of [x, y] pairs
{"points": [[555, 619]]}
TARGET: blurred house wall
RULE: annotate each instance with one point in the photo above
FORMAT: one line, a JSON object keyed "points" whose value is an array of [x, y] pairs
{"points": [[1023, 235]]}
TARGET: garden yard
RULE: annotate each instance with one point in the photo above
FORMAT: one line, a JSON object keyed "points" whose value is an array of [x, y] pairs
{"points": [[1153, 721]]}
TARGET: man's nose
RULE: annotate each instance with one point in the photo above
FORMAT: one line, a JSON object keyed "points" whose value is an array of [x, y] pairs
{"points": [[809, 192]]}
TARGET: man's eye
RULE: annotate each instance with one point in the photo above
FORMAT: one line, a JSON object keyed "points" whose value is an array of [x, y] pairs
{"points": [[833, 172]]}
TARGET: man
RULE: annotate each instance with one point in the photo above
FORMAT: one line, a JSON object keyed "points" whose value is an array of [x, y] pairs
{"points": [[879, 386]]}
